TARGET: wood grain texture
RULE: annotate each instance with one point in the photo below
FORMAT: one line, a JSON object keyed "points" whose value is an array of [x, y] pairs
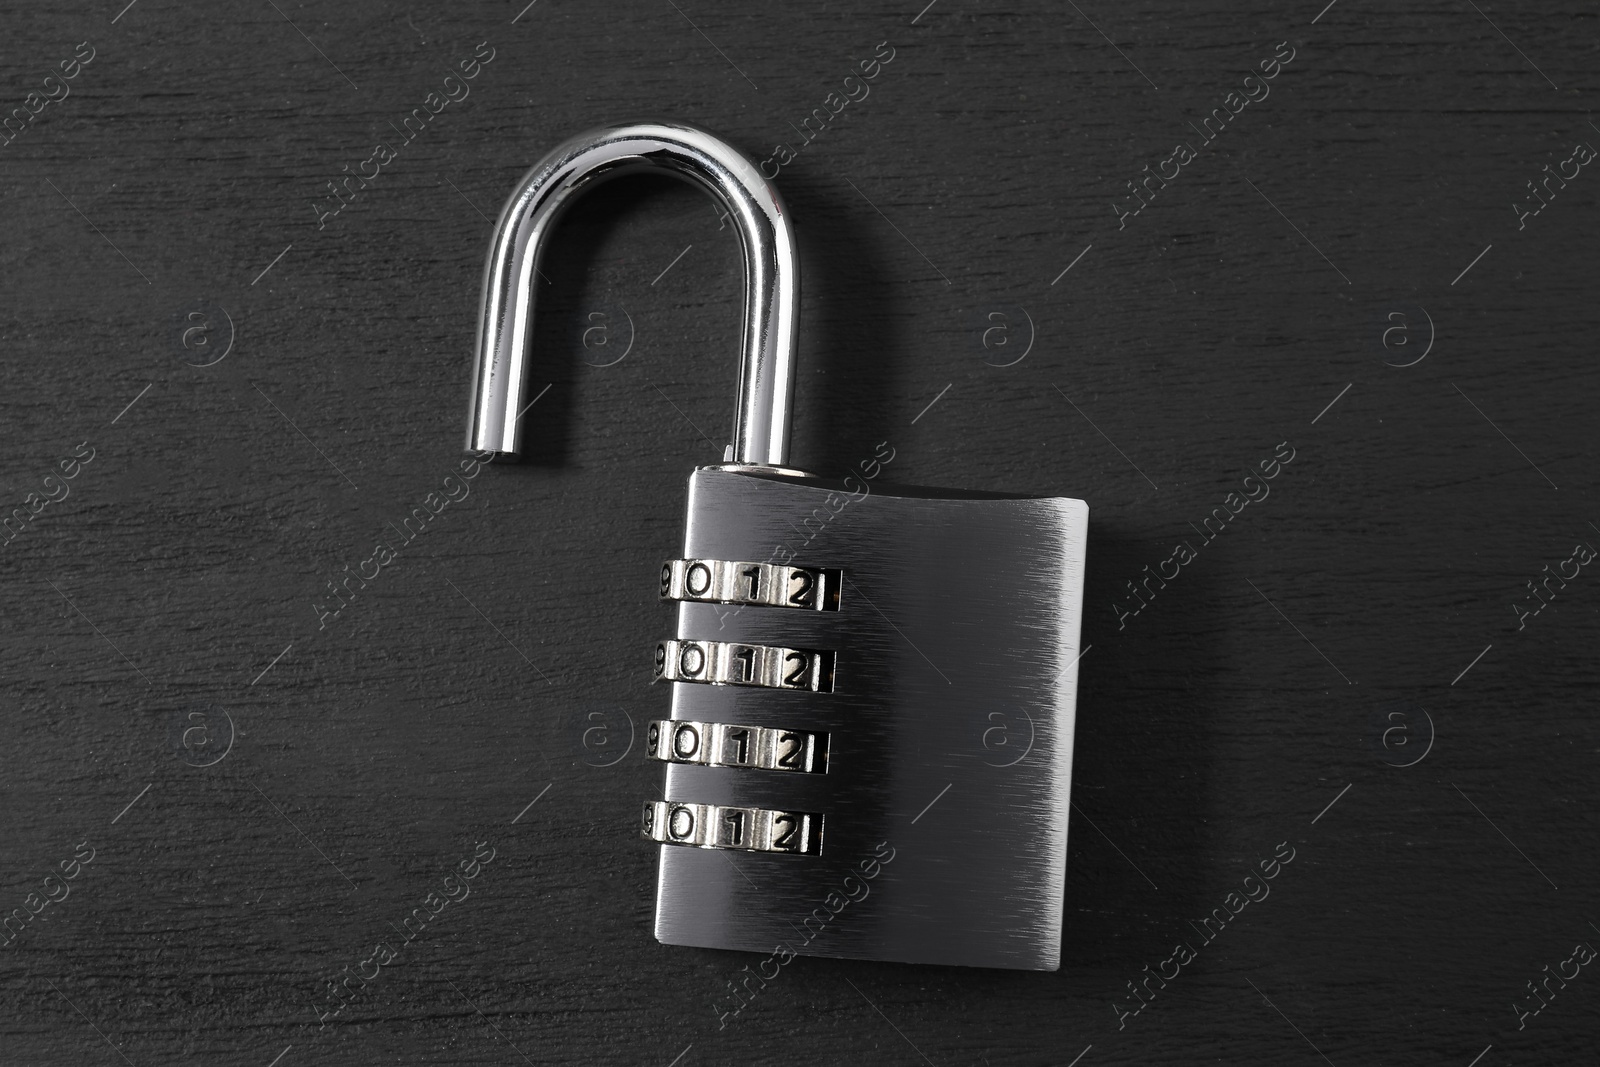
{"points": [[501, 657]]}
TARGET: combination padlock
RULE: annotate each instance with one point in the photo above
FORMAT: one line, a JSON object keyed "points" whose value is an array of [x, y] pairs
{"points": [[845, 650]]}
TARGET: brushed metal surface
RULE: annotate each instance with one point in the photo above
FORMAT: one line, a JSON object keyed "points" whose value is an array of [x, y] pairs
{"points": [[772, 276], [959, 615]]}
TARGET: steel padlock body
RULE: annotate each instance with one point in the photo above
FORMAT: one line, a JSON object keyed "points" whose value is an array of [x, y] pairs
{"points": [[957, 616]]}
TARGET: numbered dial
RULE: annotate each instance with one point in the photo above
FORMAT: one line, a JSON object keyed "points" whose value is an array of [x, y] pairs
{"points": [[716, 826], [770, 585], [728, 663], [720, 744]]}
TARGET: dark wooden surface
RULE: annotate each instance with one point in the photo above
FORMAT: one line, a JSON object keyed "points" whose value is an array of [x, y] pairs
{"points": [[504, 654]]}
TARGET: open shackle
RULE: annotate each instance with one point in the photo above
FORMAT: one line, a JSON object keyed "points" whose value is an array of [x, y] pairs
{"points": [[772, 277]]}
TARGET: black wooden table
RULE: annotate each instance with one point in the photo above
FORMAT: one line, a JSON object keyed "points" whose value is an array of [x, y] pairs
{"points": [[1118, 253]]}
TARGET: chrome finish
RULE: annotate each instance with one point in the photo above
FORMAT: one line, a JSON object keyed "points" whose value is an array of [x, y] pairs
{"points": [[772, 277]]}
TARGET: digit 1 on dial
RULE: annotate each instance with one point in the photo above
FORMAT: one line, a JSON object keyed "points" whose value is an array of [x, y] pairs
{"points": [[738, 739], [733, 825]]}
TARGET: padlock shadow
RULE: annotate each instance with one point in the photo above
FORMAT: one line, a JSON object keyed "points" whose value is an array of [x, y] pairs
{"points": [[1151, 699]]}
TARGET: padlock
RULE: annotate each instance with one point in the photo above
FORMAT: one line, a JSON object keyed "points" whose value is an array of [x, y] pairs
{"points": [[869, 748]]}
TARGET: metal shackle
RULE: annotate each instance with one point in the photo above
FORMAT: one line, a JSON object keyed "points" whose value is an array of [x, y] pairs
{"points": [[772, 277]]}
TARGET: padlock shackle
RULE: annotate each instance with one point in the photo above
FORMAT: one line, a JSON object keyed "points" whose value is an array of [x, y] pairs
{"points": [[772, 277]]}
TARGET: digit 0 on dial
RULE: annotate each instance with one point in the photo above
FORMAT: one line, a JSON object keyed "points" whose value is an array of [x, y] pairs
{"points": [[770, 585], [725, 826], [730, 663], [719, 744]]}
